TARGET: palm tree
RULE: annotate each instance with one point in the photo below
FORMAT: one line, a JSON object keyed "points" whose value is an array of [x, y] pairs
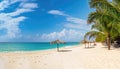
{"points": [[106, 18]]}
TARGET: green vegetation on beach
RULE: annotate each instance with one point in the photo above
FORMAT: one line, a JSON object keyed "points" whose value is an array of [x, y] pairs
{"points": [[105, 21]]}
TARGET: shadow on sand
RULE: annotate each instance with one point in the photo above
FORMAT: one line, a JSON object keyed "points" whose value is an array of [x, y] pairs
{"points": [[89, 47], [105, 47], [65, 50]]}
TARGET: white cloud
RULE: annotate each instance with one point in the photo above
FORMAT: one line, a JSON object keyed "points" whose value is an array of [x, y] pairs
{"points": [[71, 25], [10, 21], [72, 22], [28, 5], [19, 11], [11, 25], [76, 28], [57, 12], [75, 20], [65, 34], [4, 4], [77, 23], [24, 7], [80, 27]]}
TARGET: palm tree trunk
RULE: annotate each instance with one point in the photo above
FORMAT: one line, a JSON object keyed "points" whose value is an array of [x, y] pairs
{"points": [[88, 44], [108, 42], [85, 44]]}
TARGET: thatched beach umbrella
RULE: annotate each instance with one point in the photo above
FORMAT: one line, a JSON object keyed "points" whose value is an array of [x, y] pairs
{"points": [[84, 42], [58, 42]]}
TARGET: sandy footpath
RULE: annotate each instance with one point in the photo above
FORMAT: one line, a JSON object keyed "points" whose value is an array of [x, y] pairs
{"points": [[96, 57]]}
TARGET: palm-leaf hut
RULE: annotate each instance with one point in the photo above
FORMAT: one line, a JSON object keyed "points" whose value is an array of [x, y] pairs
{"points": [[57, 42]]}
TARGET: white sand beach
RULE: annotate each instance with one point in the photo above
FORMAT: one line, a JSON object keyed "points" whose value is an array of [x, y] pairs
{"points": [[70, 58]]}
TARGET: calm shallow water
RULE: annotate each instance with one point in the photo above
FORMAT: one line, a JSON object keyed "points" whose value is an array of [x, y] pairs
{"points": [[13, 47]]}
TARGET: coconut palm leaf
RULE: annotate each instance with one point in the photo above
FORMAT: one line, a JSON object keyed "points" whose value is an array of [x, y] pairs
{"points": [[92, 34], [106, 7]]}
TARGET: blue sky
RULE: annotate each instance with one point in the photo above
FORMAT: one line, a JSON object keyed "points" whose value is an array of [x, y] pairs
{"points": [[43, 20]]}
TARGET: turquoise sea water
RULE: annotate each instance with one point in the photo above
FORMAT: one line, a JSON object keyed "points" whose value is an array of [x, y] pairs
{"points": [[13, 47]]}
